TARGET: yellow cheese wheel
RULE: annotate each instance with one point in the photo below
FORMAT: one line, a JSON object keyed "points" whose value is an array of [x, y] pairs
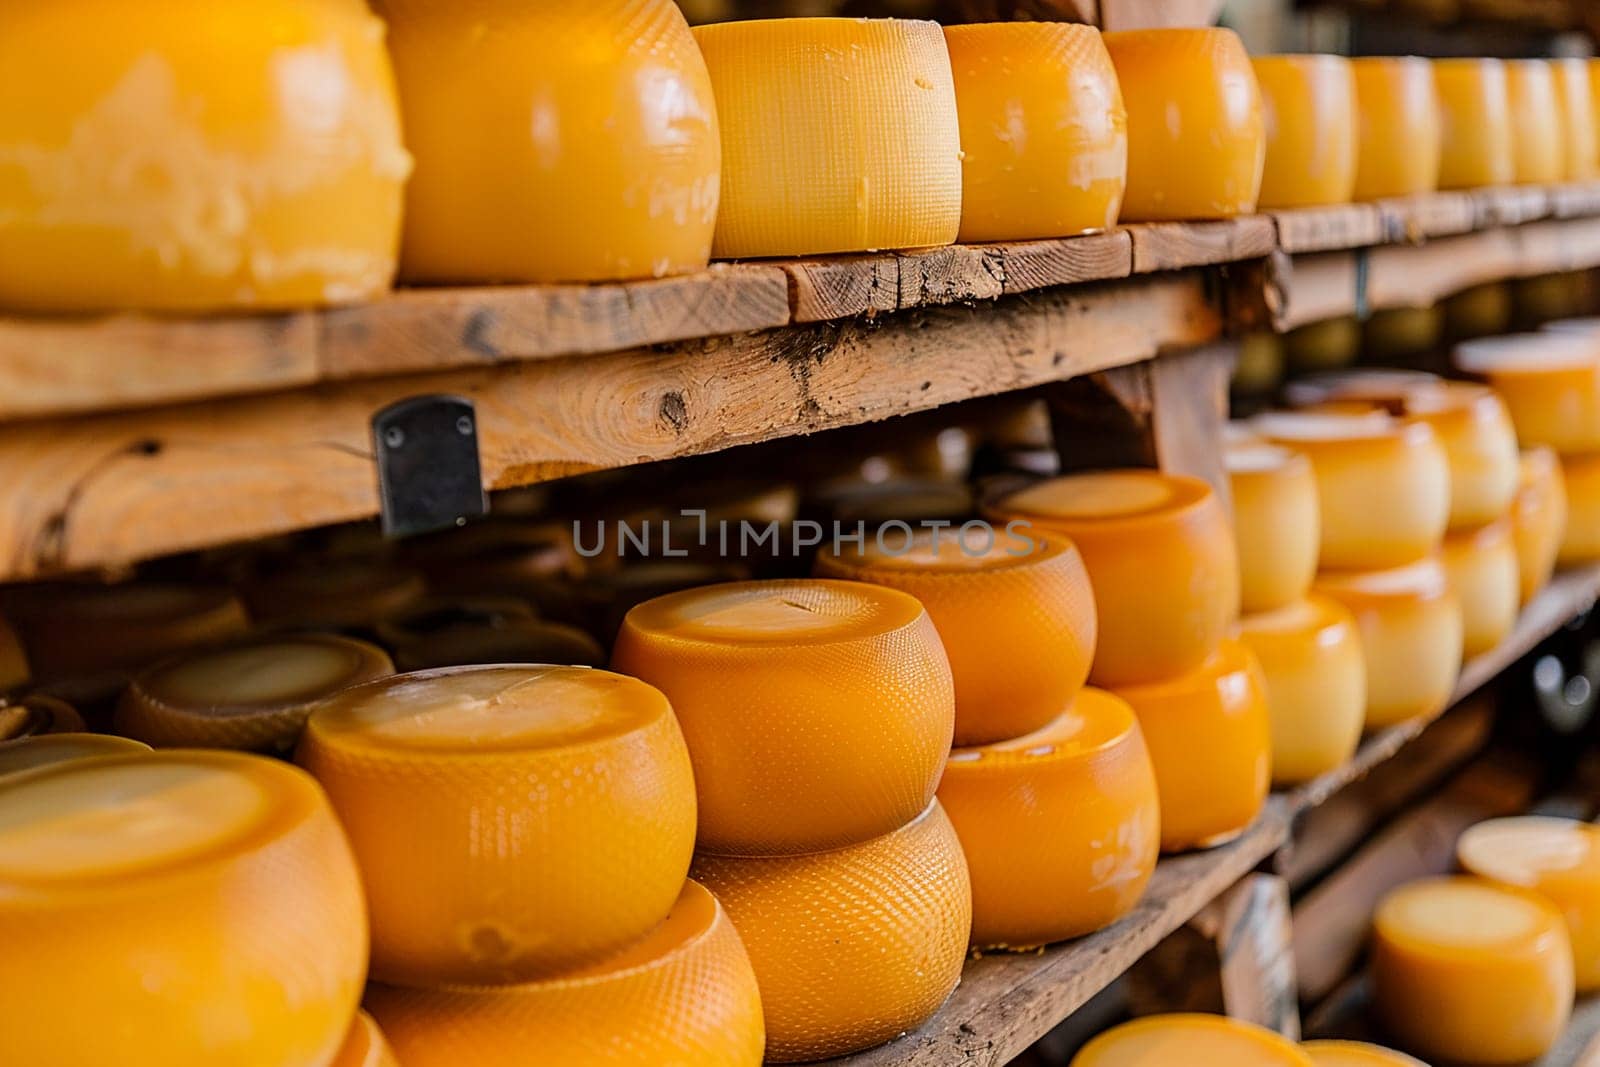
{"points": [[335, 594], [1383, 484], [365, 1046], [1538, 139], [1400, 127], [850, 947], [1309, 105], [1159, 1040], [1550, 383], [1482, 566], [1475, 113], [838, 135], [175, 910], [1016, 619], [1402, 334], [1277, 524], [1161, 561], [1259, 369], [510, 821], [818, 713], [27, 753], [1355, 1054], [1538, 519], [1580, 477], [36, 715], [1411, 634], [1060, 827], [1044, 135], [1209, 734], [1323, 345], [14, 671], [599, 162], [1479, 311], [1316, 679], [254, 695], [1471, 972], [682, 994], [1190, 95], [196, 157], [1575, 108], [1380, 387]]}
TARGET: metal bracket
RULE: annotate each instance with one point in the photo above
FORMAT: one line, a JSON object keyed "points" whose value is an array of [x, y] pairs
{"points": [[1363, 304], [429, 475]]}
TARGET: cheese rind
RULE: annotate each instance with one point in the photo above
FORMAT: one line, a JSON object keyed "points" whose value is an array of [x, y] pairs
{"points": [[1277, 524], [1550, 383], [1355, 1054], [1538, 519], [36, 715], [1309, 109], [1580, 477], [1580, 124], [28, 753], [1538, 140], [1197, 1039], [1400, 129], [365, 1046], [1475, 109], [1482, 566]]}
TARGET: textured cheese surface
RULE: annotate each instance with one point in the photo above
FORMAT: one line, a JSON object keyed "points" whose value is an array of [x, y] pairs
{"points": [[1356, 1054], [1277, 524], [1309, 107], [838, 135], [1399, 127], [1538, 137], [1475, 109], [1538, 519], [365, 1046], [682, 995], [198, 156], [1580, 477], [1482, 565], [855, 946], [1044, 134], [458, 786], [1197, 1039], [24, 754]]}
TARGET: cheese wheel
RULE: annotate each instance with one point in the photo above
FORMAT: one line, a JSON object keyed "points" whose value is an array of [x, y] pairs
{"points": [[1209, 734], [43, 750], [365, 1046], [14, 672], [1191, 95], [173, 909], [1475, 114], [682, 994], [514, 641], [1538, 140], [1482, 567], [1411, 636], [36, 715], [254, 695], [1580, 477], [511, 821], [838, 135], [1197, 1039], [1309, 107], [818, 713], [1017, 620], [1323, 345], [1355, 1054], [1380, 387], [1400, 128], [598, 163], [1044, 135], [425, 619], [1259, 369], [1315, 674], [1550, 383], [1479, 311], [1402, 335], [850, 947], [1383, 485], [1545, 298], [1471, 972], [1538, 519], [1576, 110], [338, 594], [1277, 524], [1161, 561]]}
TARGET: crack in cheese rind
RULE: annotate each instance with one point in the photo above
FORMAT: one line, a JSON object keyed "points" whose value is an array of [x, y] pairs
{"points": [[1483, 572], [1277, 524], [28, 753], [1580, 478], [1193, 1039], [1478, 146], [1538, 519], [1309, 108], [1400, 131], [1356, 1054], [1538, 141], [1550, 383]]}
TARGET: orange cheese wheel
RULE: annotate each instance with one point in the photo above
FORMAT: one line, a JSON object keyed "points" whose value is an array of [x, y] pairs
{"points": [[1316, 679], [1538, 519], [201, 908], [1471, 972], [199, 157], [36, 715], [1277, 524], [1191, 95], [1060, 827], [27, 753], [1161, 560], [1400, 127], [1580, 478], [365, 1046], [1575, 108], [1210, 737], [254, 695], [1355, 1054], [334, 594], [1044, 135], [1475, 113], [1550, 383], [1017, 620], [14, 671], [838, 135], [684, 993], [1383, 484], [1378, 387], [1411, 635], [510, 821], [1538, 140], [818, 713], [850, 947], [1483, 571], [1309, 106], [1159, 1040], [600, 162]]}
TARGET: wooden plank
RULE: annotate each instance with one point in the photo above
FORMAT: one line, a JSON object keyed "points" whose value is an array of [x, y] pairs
{"points": [[1510, 205], [1325, 229], [1418, 276], [1575, 200], [107, 490], [1427, 215], [1554, 247], [1314, 288], [1174, 245]]}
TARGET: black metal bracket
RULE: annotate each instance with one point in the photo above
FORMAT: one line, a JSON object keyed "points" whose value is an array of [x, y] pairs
{"points": [[429, 474]]}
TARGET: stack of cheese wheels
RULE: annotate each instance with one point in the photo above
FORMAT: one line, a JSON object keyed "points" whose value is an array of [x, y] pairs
{"points": [[1538, 140], [1309, 108], [337, 594], [1208, 1039], [1356, 1054], [1471, 972], [205, 905], [1538, 519], [1576, 110], [1475, 113], [838, 135], [1044, 135], [1277, 524], [819, 715], [1399, 126], [1486, 576], [1191, 95], [27, 753]]}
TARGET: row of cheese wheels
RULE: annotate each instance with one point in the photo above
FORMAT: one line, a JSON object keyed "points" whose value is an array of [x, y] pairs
{"points": [[1195, 1038]]}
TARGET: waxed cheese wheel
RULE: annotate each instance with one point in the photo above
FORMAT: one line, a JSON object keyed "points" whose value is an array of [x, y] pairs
{"points": [[1538, 141], [462, 789], [1309, 107], [1400, 129], [1538, 519], [1191, 95], [1190, 1039], [1060, 827], [854, 946], [1580, 476], [818, 713], [1484, 574], [684, 993], [1471, 972], [1475, 113], [176, 908], [1355, 1054], [36, 715], [1016, 619], [365, 1046], [1044, 135], [1550, 383], [28, 753], [1277, 524], [1575, 109]]}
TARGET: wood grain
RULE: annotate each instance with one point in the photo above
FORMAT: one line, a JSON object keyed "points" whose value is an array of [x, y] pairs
{"points": [[1173, 245], [1418, 218], [1323, 229], [1575, 200], [1316, 287], [1510, 205]]}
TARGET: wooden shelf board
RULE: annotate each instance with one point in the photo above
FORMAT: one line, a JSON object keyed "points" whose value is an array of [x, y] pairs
{"points": [[1161, 246], [1338, 227]]}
